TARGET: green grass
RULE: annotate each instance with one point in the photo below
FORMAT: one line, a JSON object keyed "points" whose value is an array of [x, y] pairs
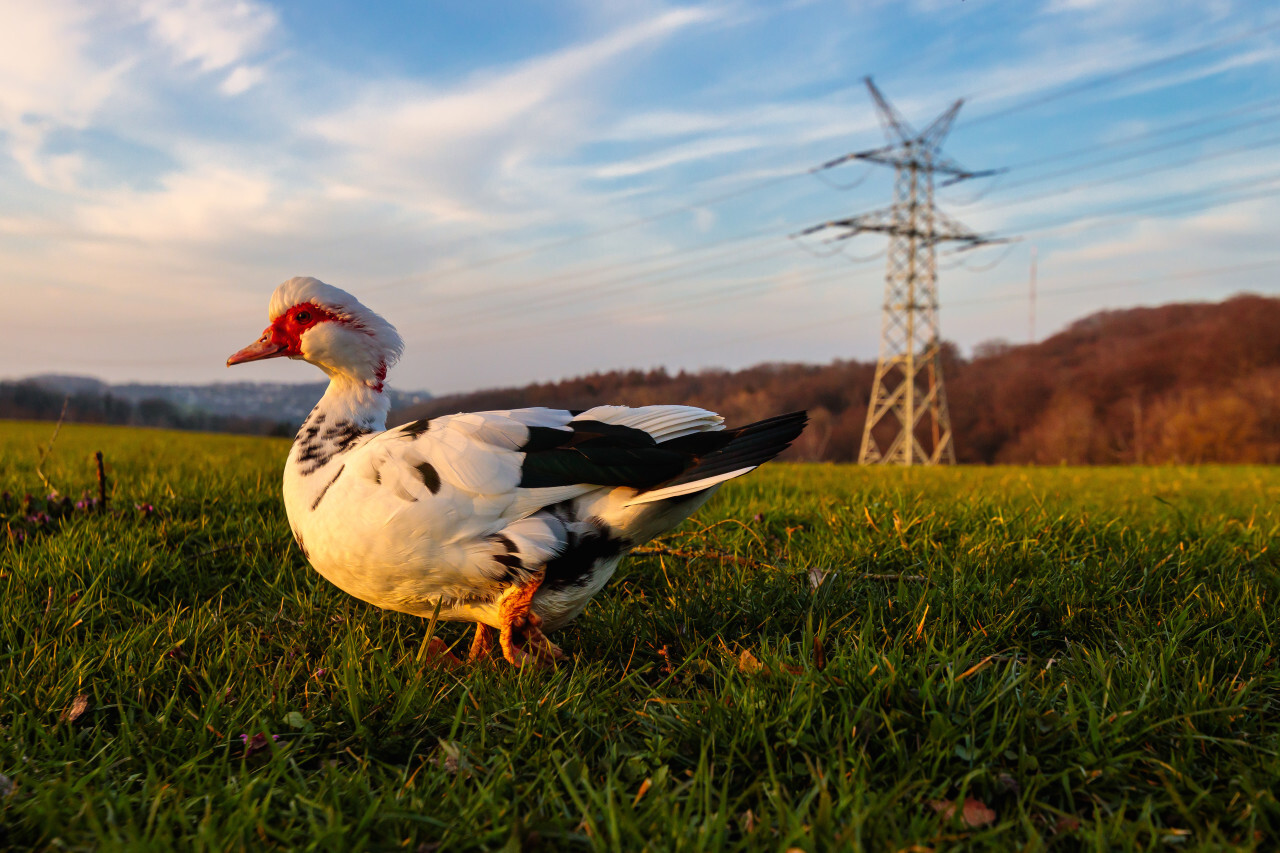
{"points": [[1130, 703]]}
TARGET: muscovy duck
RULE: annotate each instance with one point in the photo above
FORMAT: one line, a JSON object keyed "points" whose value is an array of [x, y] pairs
{"points": [[513, 519]]}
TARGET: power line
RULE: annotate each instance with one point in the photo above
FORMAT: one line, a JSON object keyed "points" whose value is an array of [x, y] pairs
{"points": [[524, 310], [1141, 152], [597, 289], [595, 284], [598, 232], [1091, 183], [1179, 198], [626, 269], [1128, 176], [1243, 34], [777, 332], [738, 290], [1156, 132]]}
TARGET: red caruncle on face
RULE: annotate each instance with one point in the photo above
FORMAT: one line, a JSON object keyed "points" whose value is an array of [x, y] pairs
{"points": [[288, 328], [284, 336]]}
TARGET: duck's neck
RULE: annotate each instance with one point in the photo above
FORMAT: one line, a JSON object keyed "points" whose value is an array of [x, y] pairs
{"points": [[346, 413], [351, 401]]}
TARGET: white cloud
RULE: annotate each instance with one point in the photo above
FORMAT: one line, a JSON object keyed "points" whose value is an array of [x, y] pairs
{"points": [[241, 79], [203, 204], [45, 69], [213, 34], [50, 80], [63, 63], [679, 155], [1058, 6], [1236, 230], [663, 123], [432, 149]]}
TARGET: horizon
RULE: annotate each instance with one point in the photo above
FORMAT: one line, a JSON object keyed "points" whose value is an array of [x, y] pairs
{"points": [[394, 386], [563, 189]]}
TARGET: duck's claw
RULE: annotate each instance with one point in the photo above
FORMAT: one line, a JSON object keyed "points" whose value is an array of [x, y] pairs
{"points": [[438, 653], [518, 619]]}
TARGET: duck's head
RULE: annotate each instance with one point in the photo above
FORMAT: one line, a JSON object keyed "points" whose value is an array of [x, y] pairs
{"points": [[328, 327]]}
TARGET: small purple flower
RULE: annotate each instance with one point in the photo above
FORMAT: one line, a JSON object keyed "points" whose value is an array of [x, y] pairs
{"points": [[255, 743], [319, 673], [145, 509]]}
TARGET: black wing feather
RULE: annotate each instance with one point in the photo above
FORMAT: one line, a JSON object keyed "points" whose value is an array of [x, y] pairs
{"points": [[611, 455], [743, 447], [596, 453]]}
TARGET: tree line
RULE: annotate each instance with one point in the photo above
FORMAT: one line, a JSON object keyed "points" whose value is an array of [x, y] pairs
{"points": [[1188, 382], [31, 401]]}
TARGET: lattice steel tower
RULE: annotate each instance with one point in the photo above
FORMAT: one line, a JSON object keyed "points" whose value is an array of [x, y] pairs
{"points": [[908, 386]]}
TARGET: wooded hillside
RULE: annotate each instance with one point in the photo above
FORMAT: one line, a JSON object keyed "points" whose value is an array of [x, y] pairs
{"points": [[1194, 382]]}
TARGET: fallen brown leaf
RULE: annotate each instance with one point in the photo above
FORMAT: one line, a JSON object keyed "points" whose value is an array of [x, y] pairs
{"points": [[644, 789], [78, 706], [749, 663], [975, 813]]}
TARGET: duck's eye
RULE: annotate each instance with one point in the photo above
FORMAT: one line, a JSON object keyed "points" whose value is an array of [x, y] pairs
{"points": [[302, 318]]}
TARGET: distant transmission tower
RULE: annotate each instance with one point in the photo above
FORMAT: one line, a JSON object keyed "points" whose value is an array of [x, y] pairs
{"points": [[908, 385]]}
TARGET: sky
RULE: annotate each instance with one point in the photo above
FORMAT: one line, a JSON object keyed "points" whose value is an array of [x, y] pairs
{"points": [[537, 190]]}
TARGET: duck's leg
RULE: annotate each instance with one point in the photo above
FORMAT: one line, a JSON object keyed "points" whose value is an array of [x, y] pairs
{"points": [[483, 642], [514, 612]]}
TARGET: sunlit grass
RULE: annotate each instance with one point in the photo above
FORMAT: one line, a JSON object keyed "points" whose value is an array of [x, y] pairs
{"points": [[1088, 653]]}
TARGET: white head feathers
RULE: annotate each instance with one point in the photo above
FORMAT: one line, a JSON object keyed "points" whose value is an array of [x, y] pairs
{"points": [[346, 307]]}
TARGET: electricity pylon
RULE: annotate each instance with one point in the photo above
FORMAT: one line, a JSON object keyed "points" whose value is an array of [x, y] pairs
{"points": [[908, 385]]}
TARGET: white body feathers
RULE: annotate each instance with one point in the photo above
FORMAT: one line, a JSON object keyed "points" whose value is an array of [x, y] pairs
{"points": [[410, 518]]}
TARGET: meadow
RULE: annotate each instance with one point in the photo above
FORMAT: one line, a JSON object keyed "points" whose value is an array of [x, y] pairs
{"points": [[826, 657]]}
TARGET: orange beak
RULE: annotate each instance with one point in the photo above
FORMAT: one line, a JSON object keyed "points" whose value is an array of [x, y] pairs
{"points": [[266, 346]]}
